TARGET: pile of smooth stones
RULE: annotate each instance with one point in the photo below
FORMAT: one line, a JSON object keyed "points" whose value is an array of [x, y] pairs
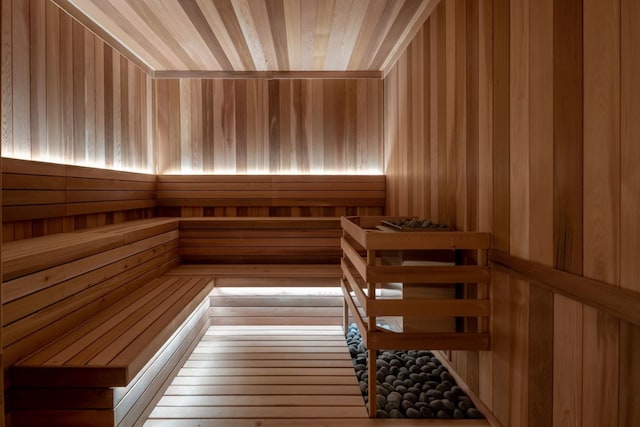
{"points": [[416, 224], [411, 384]]}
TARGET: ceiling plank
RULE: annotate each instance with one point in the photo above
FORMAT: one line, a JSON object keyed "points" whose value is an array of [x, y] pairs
{"points": [[228, 15], [156, 25], [275, 10], [198, 20], [255, 35]]}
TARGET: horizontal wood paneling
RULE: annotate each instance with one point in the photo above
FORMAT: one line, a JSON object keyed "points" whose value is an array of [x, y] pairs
{"points": [[269, 126], [270, 195], [45, 198], [260, 240], [540, 155], [257, 35], [69, 97]]}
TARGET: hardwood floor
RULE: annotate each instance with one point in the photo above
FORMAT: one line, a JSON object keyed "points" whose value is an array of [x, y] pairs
{"points": [[273, 357]]}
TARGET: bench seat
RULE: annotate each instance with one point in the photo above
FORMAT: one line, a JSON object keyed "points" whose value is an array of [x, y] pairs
{"points": [[111, 360]]}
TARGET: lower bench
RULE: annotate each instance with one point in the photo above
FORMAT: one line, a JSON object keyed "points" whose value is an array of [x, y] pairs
{"points": [[112, 369]]}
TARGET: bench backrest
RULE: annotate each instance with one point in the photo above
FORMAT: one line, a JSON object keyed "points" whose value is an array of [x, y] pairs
{"points": [[46, 198], [260, 240], [270, 195]]}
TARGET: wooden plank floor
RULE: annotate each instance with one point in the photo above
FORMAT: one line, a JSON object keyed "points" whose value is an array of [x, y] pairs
{"points": [[272, 357]]}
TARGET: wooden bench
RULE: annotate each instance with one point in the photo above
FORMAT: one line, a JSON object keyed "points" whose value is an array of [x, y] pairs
{"points": [[92, 329], [112, 369], [273, 240], [96, 322]]}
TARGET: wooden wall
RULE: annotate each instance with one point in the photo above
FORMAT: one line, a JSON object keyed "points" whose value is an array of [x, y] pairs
{"points": [[68, 97], [269, 126], [520, 117], [270, 195], [46, 198]]}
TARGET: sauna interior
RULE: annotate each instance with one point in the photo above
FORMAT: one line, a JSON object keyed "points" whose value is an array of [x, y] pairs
{"points": [[143, 140]]}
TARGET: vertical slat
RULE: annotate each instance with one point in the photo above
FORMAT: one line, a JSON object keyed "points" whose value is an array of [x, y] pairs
{"points": [[89, 128], [601, 205], [540, 369], [116, 94], [20, 61], [108, 105], [629, 406], [241, 126], [38, 74], [66, 88], [285, 142], [185, 125], [451, 111], [122, 154], [6, 124], [78, 75], [99, 102], [501, 125], [501, 224], [567, 204], [519, 209], [485, 170]]}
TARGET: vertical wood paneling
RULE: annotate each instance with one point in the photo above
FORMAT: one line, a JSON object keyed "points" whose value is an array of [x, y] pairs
{"points": [[256, 125], [60, 103], [559, 187], [421, 106]]}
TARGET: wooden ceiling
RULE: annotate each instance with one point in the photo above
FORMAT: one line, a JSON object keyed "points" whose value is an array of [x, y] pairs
{"points": [[178, 37]]}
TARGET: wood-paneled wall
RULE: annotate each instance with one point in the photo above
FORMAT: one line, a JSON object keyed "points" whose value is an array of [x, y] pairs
{"points": [[519, 117], [67, 96], [45, 198], [268, 126], [270, 195]]}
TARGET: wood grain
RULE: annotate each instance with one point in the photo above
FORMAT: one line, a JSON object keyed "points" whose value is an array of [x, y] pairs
{"points": [[39, 196], [56, 100], [257, 35], [629, 190], [561, 190], [601, 205], [239, 112]]}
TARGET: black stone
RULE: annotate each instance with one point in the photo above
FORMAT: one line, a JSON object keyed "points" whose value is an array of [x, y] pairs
{"points": [[413, 413], [442, 415], [395, 413]]}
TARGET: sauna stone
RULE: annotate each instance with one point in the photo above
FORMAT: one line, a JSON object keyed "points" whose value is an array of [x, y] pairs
{"points": [[411, 384]]}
